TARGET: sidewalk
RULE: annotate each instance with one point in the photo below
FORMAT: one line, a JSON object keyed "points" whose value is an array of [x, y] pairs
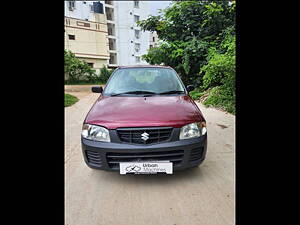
{"points": [[79, 88]]}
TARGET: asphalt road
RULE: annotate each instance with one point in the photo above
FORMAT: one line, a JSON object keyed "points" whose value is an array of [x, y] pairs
{"points": [[199, 196]]}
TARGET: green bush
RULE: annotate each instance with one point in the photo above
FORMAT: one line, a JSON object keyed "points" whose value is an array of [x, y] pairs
{"points": [[219, 74], [220, 97], [77, 71], [105, 74], [197, 93]]}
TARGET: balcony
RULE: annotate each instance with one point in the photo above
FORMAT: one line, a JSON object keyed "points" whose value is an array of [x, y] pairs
{"points": [[113, 59], [111, 29], [112, 44], [109, 14]]}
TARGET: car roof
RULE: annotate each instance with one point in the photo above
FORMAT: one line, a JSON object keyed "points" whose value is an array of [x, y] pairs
{"points": [[144, 66]]}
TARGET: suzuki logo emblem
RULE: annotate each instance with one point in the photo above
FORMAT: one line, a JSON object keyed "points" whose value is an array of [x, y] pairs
{"points": [[145, 136]]}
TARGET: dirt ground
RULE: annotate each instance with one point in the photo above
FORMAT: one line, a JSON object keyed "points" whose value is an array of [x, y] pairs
{"points": [[199, 196]]}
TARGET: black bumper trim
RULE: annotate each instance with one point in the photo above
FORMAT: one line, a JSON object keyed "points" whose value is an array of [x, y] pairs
{"points": [[100, 150]]}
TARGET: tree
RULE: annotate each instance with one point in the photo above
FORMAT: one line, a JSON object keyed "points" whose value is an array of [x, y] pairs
{"points": [[188, 29]]}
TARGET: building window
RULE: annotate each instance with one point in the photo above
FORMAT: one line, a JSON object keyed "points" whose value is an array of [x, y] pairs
{"points": [[92, 8], [137, 34], [136, 18], [137, 47], [151, 46], [71, 37], [71, 5], [137, 59], [91, 65], [153, 39], [136, 4]]}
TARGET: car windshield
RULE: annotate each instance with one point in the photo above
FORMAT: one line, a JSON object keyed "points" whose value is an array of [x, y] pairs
{"points": [[144, 81]]}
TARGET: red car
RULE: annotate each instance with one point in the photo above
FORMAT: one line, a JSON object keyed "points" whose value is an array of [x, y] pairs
{"points": [[144, 121]]}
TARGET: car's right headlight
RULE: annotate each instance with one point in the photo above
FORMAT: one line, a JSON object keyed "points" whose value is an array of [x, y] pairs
{"points": [[192, 130], [95, 133]]}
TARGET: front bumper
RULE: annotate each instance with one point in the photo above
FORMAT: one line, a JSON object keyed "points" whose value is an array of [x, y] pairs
{"points": [[107, 155]]}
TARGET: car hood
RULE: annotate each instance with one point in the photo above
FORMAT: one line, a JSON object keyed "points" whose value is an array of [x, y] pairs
{"points": [[167, 111]]}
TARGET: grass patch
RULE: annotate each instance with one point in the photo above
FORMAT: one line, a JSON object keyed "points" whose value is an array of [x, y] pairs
{"points": [[70, 100]]}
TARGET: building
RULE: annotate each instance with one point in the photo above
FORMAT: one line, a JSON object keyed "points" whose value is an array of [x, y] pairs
{"points": [[126, 42], [86, 32], [153, 41]]}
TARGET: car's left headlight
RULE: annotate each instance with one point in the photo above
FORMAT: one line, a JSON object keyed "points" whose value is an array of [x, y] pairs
{"points": [[95, 133], [192, 130]]}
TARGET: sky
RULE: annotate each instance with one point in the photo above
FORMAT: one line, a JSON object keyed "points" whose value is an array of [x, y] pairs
{"points": [[156, 5]]}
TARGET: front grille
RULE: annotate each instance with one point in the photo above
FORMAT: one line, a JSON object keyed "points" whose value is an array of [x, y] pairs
{"points": [[93, 158], [196, 154], [156, 135], [114, 158]]}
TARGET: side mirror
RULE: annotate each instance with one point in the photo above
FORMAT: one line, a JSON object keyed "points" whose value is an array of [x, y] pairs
{"points": [[97, 89], [190, 88]]}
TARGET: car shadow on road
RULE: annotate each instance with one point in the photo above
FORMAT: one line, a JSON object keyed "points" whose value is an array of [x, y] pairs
{"points": [[160, 179]]}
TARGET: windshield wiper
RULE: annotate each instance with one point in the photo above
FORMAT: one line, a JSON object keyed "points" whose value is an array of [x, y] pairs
{"points": [[171, 92], [135, 92]]}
